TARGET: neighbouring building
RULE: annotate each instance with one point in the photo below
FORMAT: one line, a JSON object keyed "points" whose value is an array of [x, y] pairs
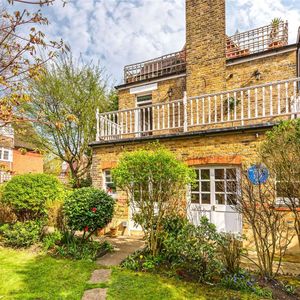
{"points": [[17, 155], [210, 103]]}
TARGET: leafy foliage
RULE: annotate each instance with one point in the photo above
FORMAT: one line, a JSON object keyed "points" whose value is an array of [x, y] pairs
{"points": [[243, 281], [21, 45], [29, 194], [88, 209], [155, 182], [21, 234], [67, 245], [64, 98], [142, 261], [192, 248]]}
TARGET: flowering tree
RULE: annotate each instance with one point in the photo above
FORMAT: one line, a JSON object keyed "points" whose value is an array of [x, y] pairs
{"points": [[23, 52]]}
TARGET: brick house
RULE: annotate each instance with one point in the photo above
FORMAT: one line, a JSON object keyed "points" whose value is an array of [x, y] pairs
{"points": [[17, 155], [210, 103]]}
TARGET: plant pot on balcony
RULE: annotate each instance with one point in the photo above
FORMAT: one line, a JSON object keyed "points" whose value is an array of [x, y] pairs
{"points": [[276, 44]]}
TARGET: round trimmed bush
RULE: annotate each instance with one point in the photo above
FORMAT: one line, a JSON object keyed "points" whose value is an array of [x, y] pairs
{"points": [[88, 209], [29, 194]]}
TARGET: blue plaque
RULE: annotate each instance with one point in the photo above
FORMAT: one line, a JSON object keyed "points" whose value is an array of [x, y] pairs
{"points": [[258, 174]]}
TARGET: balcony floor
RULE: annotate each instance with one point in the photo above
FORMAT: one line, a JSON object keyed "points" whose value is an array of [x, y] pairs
{"points": [[190, 134]]}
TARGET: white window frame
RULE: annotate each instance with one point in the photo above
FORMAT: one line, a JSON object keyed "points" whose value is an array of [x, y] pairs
{"points": [[10, 154], [105, 182], [212, 181]]}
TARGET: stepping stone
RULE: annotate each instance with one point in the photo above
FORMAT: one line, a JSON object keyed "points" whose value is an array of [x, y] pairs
{"points": [[100, 276], [94, 294]]}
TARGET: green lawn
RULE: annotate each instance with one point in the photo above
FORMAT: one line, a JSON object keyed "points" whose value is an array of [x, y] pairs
{"points": [[127, 285], [25, 275]]}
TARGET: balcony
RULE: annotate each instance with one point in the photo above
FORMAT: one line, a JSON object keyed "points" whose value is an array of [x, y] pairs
{"points": [[173, 63], [257, 40], [261, 104], [239, 45]]}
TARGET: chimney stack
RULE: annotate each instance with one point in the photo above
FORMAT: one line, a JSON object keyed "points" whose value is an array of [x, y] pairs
{"points": [[205, 46]]}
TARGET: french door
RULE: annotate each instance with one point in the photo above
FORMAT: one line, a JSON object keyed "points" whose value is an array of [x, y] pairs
{"points": [[143, 116], [214, 195]]}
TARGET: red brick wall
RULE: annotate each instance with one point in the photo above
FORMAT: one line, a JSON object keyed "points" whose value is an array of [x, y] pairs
{"points": [[27, 163]]}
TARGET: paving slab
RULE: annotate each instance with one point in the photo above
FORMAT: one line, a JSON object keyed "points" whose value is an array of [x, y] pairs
{"points": [[100, 276], [95, 294], [123, 246]]}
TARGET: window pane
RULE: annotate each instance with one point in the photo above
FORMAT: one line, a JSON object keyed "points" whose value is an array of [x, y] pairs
{"points": [[195, 198], [205, 198], [5, 154], [231, 174], [219, 174], [231, 199], [205, 186], [231, 186], [205, 174], [0, 153], [197, 174], [220, 199], [220, 186], [144, 98], [195, 187]]}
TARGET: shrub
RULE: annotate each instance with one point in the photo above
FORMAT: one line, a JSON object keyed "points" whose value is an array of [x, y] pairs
{"points": [[28, 195], [142, 261], [52, 239], [21, 234], [194, 249], [155, 182], [88, 209], [231, 250], [55, 214], [67, 245]]}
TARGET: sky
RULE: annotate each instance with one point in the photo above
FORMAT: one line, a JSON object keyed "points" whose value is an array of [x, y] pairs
{"points": [[120, 32]]}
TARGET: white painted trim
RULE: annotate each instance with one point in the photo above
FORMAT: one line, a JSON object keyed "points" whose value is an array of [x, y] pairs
{"points": [[10, 154], [263, 55], [154, 81], [143, 89]]}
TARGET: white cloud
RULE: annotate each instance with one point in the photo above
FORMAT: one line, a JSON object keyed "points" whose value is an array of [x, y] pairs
{"points": [[119, 32]]}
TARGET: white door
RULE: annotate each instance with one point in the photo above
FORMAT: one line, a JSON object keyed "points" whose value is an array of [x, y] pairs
{"points": [[214, 196], [132, 225]]}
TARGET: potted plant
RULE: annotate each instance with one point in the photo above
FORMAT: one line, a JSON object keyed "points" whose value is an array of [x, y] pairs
{"points": [[113, 228], [275, 40]]}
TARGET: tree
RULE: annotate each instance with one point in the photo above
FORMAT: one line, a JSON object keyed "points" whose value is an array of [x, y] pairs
{"points": [[281, 153], [64, 99], [19, 55], [155, 182], [268, 225]]}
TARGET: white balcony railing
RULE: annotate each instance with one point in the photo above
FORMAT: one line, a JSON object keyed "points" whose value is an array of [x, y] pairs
{"points": [[260, 39], [259, 104]]}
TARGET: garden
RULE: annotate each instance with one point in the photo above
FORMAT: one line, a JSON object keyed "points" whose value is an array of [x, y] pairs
{"points": [[49, 236]]}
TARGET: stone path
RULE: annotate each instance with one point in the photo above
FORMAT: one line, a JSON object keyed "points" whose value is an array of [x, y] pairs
{"points": [[123, 246]]}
